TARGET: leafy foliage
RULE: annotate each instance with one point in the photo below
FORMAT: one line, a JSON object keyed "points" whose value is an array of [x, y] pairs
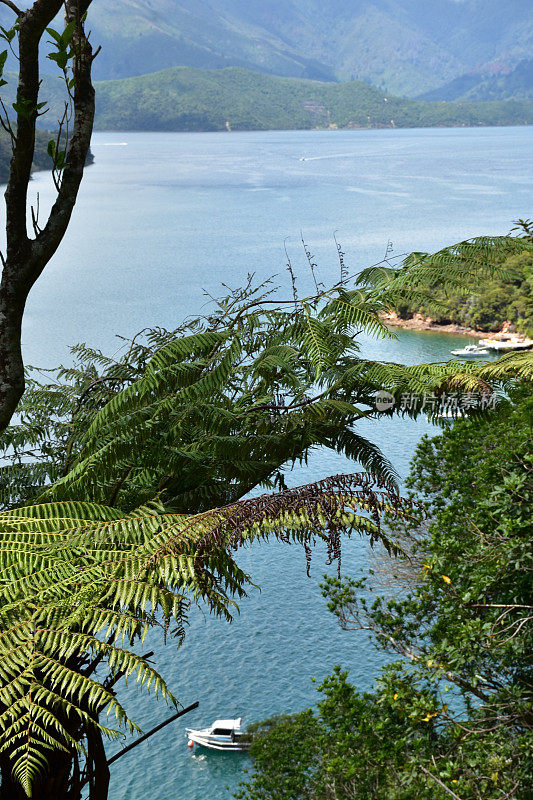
{"points": [[123, 480], [205, 413], [452, 717], [502, 299], [457, 294]]}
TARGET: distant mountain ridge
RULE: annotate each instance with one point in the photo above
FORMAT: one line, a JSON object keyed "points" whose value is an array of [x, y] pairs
{"points": [[516, 83], [403, 46]]}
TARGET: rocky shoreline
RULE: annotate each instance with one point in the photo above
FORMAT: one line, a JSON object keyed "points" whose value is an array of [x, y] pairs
{"points": [[420, 323]]}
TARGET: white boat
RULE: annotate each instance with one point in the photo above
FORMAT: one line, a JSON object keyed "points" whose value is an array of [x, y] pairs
{"points": [[224, 734], [449, 414], [471, 351]]}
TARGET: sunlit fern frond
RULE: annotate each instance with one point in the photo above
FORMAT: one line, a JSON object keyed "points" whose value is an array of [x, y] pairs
{"points": [[223, 404], [355, 309], [508, 368], [79, 581]]}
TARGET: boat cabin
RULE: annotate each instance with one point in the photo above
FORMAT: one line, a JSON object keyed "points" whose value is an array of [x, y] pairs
{"points": [[225, 727]]}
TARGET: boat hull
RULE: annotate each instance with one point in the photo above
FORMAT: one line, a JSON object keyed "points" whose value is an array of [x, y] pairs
{"points": [[216, 743], [473, 355]]}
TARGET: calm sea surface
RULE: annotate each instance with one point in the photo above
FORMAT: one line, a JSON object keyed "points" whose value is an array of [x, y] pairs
{"points": [[161, 217]]}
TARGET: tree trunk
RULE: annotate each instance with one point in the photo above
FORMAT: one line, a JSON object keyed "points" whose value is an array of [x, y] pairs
{"points": [[11, 364], [98, 770], [26, 257]]}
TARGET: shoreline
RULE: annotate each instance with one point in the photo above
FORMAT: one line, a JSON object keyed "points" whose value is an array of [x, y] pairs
{"points": [[318, 129], [419, 323]]}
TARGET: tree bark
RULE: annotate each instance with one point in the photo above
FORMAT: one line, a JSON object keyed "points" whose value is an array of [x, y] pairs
{"points": [[27, 257]]}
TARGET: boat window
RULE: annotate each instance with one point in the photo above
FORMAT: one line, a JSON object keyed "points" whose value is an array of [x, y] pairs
{"points": [[222, 732]]}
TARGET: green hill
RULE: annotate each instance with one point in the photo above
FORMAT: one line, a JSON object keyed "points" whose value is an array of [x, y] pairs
{"points": [[186, 99]]}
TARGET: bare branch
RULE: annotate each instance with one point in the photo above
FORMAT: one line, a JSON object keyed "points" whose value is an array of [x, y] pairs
{"points": [[154, 730], [438, 780]]}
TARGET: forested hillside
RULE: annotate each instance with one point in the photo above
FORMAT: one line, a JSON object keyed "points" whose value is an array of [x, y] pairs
{"points": [[503, 83], [504, 298], [188, 99]]}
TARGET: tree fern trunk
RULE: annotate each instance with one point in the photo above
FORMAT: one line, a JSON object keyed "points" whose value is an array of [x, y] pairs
{"points": [[97, 763], [63, 779]]}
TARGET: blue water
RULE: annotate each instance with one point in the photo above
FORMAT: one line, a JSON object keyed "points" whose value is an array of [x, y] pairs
{"points": [[161, 217]]}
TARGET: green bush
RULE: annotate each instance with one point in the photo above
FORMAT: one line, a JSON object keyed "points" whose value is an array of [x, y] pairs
{"points": [[491, 304], [452, 715]]}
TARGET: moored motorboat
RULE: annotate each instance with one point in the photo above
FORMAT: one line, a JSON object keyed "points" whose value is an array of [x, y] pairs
{"points": [[223, 734], [471, 351]]}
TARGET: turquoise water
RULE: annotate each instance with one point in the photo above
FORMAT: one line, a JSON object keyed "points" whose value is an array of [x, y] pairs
{"points": [[162, 216]]}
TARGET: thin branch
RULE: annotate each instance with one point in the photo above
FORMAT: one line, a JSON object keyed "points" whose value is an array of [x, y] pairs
{"points": [[510, 793], [151, 733], [438, 780], [497, 605], [413, 655], [6, 124], [35, 217]]}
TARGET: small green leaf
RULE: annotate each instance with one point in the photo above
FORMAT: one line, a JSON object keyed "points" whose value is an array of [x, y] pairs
{"points": [[60, 58], [24, 108], [8, 35], [55, 34], [66, 36]]}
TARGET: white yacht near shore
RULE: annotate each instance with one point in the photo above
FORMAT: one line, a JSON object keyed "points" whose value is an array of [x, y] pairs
{"points": [[223, 734], [471, 351]]}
